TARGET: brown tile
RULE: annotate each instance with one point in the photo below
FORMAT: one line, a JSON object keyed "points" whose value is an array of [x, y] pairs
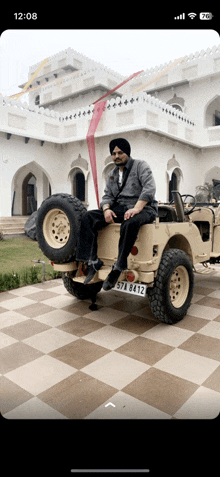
{"points": [[209, 301], [145, 350], [161, 390], [6, 296], [24, 330], [80, 353], [191, 323], [213, 381], [16, 355], [128, 305], [202, 290], [203, 345], [42, 295], [80, 308], [134, 324], [37, 309], [77, 396], [11, 395], [80, 326], [2, 310]]}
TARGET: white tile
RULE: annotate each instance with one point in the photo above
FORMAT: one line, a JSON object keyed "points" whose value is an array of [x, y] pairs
{"points": [[9, 318], [23, 291], [211, 329], [110, 337], [34, 409], [56, 317], [126, 407], [169, 335], [106, 315], [115, 369], [215, 294], [60, 301], [40, 374], [16, 303], [205, 312], [203, 404], [187, 365], [6, 340], [50, 340]]}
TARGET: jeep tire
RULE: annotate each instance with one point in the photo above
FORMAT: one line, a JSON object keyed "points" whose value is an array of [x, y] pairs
{"points": [[57, 227], [171, 295], [79, 290]]}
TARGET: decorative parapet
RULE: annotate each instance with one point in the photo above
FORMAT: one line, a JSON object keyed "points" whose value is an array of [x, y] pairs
{"points": [[129, 112], [194, 66], [73, 58], [75, 83]]}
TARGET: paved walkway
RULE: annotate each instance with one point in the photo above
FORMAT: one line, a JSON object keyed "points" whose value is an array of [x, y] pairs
{"points": [[60, 360]]}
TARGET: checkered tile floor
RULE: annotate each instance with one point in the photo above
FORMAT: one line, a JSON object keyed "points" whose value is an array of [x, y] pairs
{"points": [[60, 360]]}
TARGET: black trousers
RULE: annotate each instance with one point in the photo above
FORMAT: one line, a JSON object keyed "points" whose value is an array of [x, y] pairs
{"points": [[94, 220]]}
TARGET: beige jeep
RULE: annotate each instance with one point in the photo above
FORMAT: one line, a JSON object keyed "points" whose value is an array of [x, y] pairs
{"points": [[160, 264]]}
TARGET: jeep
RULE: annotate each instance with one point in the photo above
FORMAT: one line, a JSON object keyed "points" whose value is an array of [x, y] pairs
{"points": [[161, 263]]}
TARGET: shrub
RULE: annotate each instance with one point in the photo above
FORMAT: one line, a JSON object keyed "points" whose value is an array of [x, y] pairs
{"points": [[8, 281]]}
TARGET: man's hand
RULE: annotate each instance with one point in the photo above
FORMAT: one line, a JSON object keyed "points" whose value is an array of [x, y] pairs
{"points": [[130, 213], [109, 214], [136, 209]]}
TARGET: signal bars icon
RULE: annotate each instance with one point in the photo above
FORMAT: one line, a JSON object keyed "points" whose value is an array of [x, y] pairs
{"points": [[180, 17]]}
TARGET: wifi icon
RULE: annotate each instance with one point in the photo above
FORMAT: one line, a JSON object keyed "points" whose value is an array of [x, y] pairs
{"points": [[192, 15]]}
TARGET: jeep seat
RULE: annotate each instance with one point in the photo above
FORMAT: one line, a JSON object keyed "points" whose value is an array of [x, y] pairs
{"points": [[167, 213]]}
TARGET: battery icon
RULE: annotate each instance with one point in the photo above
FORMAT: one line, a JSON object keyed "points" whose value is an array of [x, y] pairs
{"points": [[205, 16]]}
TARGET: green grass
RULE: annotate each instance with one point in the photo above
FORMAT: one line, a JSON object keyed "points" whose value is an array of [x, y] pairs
{"points": [[16, 265]]}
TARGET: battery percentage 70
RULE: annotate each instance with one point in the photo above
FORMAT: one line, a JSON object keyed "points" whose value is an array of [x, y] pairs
{"points": [[205, 16]]}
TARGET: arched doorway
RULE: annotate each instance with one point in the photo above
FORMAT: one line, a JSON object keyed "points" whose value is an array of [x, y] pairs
{"points": [[30, 186], [29, 194], [173, 184], [79, 186]]}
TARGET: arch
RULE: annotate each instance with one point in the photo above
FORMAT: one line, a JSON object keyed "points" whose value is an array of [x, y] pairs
{"points": [[105, 172], [174, 176], [213, 173], [177, 102], [212, 112], [29, 194], [36, 176], [78, 178]]}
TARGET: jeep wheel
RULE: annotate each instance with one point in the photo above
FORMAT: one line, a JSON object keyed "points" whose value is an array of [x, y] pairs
{"points": [[171, 295], [57, 226], [80, 291]]}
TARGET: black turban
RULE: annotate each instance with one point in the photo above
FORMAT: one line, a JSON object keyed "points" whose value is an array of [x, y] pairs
{"points": [[122, 144]]}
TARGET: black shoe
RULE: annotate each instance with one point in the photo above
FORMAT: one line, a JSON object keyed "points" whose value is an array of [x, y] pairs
{"points": [[111, 279], [92, 269]]}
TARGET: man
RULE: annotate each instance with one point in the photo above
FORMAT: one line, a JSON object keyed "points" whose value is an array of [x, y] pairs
{"points": [[129, 199]]}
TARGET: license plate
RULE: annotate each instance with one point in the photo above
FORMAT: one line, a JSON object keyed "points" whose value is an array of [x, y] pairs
{"points": [[132, 288]]}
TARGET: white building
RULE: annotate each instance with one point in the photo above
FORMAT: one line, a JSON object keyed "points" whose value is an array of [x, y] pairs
{"points": [[174, 124]]}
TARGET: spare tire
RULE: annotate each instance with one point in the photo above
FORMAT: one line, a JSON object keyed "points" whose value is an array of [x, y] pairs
{"points": [[57, 227]]}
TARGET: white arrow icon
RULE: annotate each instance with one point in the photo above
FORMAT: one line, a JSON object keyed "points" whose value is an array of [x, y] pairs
{"points": [[110, 404]]}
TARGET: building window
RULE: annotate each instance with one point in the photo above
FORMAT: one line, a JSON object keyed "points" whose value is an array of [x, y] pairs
{"points": [[177, 102], [37, 100], [217, 118], [79, 186]]}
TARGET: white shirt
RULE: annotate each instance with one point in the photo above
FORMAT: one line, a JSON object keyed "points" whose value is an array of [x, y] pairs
{"points": [[120, 177]]}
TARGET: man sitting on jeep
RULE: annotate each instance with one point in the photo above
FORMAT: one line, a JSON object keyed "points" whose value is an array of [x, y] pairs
{"points": [[129, 199]]}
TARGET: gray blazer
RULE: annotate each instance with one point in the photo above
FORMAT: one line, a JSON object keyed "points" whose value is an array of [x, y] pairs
{"points": [[140, 185]]}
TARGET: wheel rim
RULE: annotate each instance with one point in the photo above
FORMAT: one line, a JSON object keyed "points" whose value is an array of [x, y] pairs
{"points": [[179, 286], [56, 228]]}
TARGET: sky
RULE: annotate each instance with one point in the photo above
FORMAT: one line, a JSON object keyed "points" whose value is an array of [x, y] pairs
{"points": [[124, 51]]}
